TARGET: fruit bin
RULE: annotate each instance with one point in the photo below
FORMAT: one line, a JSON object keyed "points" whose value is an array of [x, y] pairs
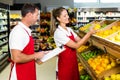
{"points": [[102, 24], [98, 66], [86, 67], [105, 23], [113, 71], [85, 64], [86, 27], [107, 46], [102, 66], [82, 72], [109, 30], [97, 24], [114, 38]]}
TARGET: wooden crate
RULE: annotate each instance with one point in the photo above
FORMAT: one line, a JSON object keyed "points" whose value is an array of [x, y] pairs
{"points": [[87, 26], [107, 73], [109, 30], [115, 23], [103, 74], [113, 70], [112, 38], [107, 22]]}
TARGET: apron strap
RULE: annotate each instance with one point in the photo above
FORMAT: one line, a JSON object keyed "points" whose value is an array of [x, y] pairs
{"points": [[12, 64], [26, 31]]}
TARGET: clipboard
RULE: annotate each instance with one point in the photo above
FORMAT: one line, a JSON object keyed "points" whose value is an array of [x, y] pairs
{"points": [[52, 54]]}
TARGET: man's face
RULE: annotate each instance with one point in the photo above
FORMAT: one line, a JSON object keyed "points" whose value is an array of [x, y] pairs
{"points": [[34, 16]]}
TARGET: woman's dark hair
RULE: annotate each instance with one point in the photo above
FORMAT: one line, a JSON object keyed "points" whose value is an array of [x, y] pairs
{"points": [[28, 7], [54, 22]]}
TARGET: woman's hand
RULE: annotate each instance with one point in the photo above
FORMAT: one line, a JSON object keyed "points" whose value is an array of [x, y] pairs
{"points": [[92, 31]]}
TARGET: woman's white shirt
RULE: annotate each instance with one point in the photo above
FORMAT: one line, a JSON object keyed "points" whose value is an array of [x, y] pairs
{"points": [[61, 35], [61, 38]]}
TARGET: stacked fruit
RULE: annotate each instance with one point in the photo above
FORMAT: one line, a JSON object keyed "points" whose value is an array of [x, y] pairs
{"points": [[44, 22], [96, 26], [105, 33], [91, 53], [46, 42], [45, 15], [85, 77], [101, 63], [85, 28], [82, 48], [15, 16], [113, 77], [80, 67], [115, 38]]}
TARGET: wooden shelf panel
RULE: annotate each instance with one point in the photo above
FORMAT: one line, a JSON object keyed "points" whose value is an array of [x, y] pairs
{"points": [[108, 47], [86, 66], [92, 73], [103, 44]]}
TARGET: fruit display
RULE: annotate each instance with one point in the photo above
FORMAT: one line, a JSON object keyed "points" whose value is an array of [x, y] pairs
{"points": [[46, 42], [85, 27], [83, 73], [115, 37], [85, 77], [45, 15], [101, 63], [80, 67], [105, 23], [14, 19], [72, 18], [82, 48], [112, 77], [72, 21], [98, 62], [15, 16], [109, 30], [44, 23], [102, 24], [91, 53], [95, 24]]}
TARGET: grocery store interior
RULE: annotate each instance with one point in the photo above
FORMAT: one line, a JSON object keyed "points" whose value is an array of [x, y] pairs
{"points": [[98, 59]]}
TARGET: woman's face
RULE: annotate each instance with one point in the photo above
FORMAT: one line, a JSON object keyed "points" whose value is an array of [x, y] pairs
{"points": [[63, 18]]}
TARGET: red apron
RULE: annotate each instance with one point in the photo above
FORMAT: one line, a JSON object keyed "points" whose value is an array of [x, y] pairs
{"points": [[27, 71], [67, 64]]}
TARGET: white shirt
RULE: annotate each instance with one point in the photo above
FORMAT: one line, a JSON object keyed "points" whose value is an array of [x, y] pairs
{"points": [[19, 38], [61, 35], [61, 38]]}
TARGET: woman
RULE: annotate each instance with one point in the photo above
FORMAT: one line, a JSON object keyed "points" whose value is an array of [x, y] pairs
{"points": [[63, 35]]}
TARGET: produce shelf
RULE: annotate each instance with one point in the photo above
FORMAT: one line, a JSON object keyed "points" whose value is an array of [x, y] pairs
{"points": [[106, 45], [101, 75], [86, 66]]}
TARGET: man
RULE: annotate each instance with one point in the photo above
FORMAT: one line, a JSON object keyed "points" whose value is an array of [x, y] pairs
{"points": [[22, 46]]}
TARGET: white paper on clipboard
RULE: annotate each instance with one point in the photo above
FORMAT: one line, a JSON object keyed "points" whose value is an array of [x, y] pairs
{"points": [[52, 53]]}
